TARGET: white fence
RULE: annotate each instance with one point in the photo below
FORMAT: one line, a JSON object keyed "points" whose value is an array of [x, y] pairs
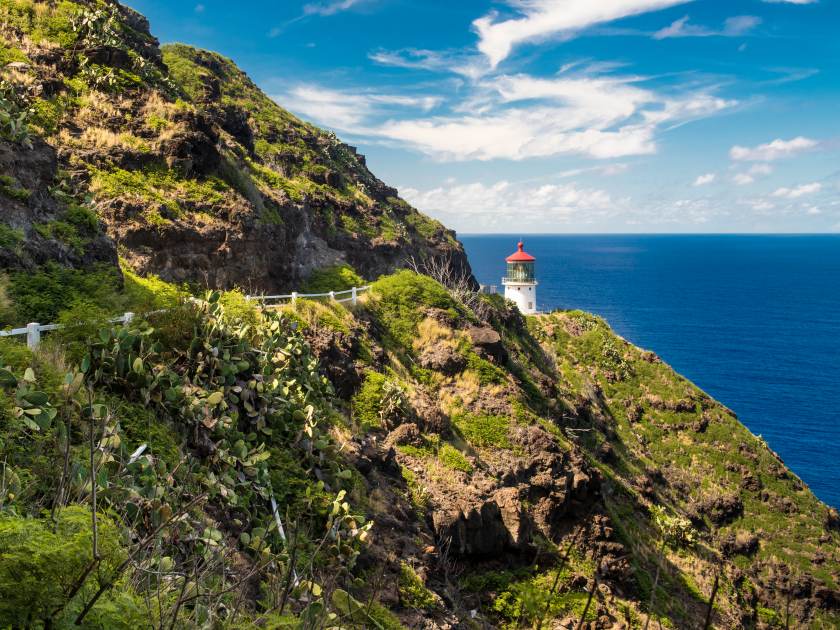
{"points": [[349, 295], [33, 330]]}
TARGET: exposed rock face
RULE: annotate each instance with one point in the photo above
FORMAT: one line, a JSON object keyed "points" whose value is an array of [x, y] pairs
{"points": [[201, 178], [28, 207], [442, 358]]}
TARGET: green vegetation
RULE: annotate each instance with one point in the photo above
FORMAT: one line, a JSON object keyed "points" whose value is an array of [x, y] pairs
{"points": [[335, 278], [10, 238], [483, 430], [488, 374], [10, 188], [413, 593], [42, 22], [399, 299], [452, 458], [161, 186], [379, 402], [39, 296], [41, 562], [200, 367]]}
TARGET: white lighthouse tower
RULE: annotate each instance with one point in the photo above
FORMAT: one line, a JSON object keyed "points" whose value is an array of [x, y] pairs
{"points": [[520, 281]]}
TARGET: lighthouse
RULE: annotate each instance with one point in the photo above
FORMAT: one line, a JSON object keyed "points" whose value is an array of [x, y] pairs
{"points": [[520, 281]]}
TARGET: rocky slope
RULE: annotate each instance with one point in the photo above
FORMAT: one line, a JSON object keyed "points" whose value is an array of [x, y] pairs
{"points": [[435, 465], [195, 173], [521, 440]]}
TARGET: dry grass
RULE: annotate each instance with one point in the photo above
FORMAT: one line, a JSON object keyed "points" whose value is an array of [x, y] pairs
{"points": [[462, 391], [430, 332], [102, 138]]}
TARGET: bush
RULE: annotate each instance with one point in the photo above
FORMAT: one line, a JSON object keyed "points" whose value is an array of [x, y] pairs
{"points": [[336, 278], [413, 593], [41, 295], [379, 402], [80, 323], [400, 301], [483, 430], [39, 563], [150, 293], [452, 458]]}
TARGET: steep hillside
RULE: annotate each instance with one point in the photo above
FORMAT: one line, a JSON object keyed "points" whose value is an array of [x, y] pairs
{"points": [[195, 174], [437, 461]]}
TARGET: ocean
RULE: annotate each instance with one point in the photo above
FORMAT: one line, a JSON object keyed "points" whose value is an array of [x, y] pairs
{"points": [[752, 320]]}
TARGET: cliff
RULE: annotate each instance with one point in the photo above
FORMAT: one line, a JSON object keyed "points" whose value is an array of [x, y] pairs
{"points": [[174, 159], [436, 461]]}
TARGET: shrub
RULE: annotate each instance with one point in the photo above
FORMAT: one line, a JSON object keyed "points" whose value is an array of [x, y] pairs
{"points": [[335, 278], [39, 564], [488, 374], [413, 593], [400, 301], [10, 238], [238, 309], [42, 294], [80, 323], [452, 458], [150, 293], [483, 430], [10, 188], [379, 402]]}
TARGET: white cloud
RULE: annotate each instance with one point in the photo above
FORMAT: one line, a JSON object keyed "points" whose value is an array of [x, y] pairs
{"points": [[755, 171], [329, 8], [791, 1], [740, 24], [703, 180], [476, 204], [346, 110], [543, 19], [516, 117], [798, 191], [732, 27], [774, 150], [760, 169], [616, 168], [471, 65]]}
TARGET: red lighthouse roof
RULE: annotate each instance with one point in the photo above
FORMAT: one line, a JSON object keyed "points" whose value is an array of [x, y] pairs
{"points": [[520, 255]]}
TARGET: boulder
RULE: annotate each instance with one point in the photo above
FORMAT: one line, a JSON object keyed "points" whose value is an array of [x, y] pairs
{"points": [[488, 343], [832, 519], [484, 529], [404, 435], [742, 543], [443, 358]]}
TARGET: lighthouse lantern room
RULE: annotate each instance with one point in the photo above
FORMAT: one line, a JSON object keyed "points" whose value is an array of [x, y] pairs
{"points": [[520, 281]]}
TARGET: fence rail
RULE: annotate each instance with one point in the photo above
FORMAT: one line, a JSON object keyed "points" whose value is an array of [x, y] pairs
{"points": [[275, 300], [33, 330]]}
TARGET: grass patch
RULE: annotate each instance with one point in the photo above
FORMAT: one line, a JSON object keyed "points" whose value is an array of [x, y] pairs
{"points": [[335, 278], [483, 430], [454, 459], [413, 593], [10, 189], [399, 301]]}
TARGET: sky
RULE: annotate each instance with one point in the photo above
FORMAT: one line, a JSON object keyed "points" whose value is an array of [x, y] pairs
{"points": [[560, 116]]}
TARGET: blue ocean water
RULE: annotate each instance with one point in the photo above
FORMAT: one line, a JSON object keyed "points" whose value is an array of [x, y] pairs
{"points": [[752, 320]]}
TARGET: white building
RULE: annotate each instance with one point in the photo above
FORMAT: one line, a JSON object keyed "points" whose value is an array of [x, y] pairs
{"points": [[520, 281]]}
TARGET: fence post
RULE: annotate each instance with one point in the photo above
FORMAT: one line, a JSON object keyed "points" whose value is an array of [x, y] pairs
{"points": [[128, 317], [294, 297], [33, 335], [332, 296], [354, 294]]}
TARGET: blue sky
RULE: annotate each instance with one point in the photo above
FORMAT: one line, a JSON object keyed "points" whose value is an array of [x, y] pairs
{"points": [[560, 115]]}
